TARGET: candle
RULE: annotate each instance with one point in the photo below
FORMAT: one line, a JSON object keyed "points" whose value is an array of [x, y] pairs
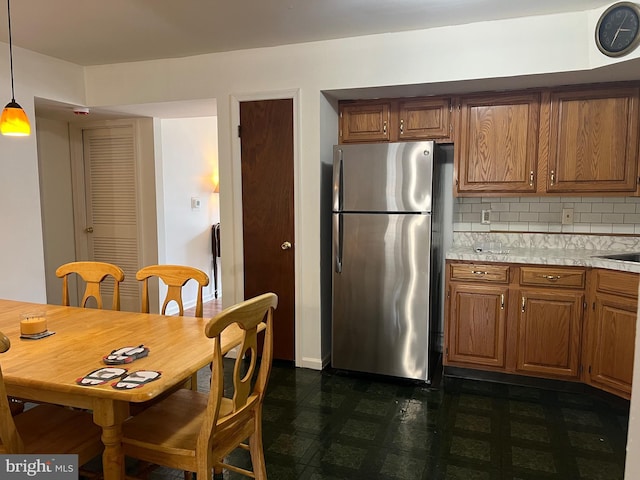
{"points": [[33, 323]]}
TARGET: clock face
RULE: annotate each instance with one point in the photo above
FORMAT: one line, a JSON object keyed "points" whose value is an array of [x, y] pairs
{"points": [[618, 30]]}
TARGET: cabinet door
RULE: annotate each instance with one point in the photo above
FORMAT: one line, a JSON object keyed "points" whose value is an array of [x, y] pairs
{"points": [[594, 141], [498, 144], [614, 342], [549, 333], [424, 119], [366, 122], [477, 320]]}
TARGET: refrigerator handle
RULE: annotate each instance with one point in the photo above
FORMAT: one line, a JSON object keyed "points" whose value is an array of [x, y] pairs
{"points": [[337, 242], [337, 180]]}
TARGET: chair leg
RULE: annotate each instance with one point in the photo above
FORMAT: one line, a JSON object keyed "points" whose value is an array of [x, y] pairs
{"points": [[256, 449]]}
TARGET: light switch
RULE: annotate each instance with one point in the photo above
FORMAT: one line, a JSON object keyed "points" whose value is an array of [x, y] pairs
{"points": [[195, 203]]}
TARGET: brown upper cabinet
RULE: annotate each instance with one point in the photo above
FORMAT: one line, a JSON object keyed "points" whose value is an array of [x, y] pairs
{"points": [[365, 122], [573, 140], [593, 142], [391, 120], [565, 141], [497, 147]]}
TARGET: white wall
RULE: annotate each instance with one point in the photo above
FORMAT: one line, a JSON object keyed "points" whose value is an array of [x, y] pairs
{"points": [[54, 163], [21, 244], [189, 161]]}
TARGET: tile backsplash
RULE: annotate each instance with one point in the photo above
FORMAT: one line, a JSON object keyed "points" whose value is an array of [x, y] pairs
{"points": [[600, 215]]}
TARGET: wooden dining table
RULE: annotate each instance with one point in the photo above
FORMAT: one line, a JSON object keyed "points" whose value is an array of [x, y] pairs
{"points": [[46, 370]]}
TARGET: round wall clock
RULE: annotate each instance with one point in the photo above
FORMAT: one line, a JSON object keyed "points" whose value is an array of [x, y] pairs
{"points": [[618, 30]]}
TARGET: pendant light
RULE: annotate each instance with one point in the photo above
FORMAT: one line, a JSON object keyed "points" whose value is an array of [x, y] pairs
{"points": [[14, 121]]}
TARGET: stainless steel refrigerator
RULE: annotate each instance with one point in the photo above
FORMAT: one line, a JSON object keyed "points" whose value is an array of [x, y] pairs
{"points": [[385, 255]]}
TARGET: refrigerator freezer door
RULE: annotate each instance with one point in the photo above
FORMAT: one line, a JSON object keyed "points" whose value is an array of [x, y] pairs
{"points": [[381, 294], [383, 177]]}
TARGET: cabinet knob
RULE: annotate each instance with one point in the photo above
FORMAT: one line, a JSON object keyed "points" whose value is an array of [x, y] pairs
{"points": [[88, 230]]}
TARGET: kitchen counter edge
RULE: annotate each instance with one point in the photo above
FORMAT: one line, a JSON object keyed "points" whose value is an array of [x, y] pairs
{"points": [[545, 256]]}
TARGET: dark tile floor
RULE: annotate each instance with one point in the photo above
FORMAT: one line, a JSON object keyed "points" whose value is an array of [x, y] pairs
{"points": [[330, 425]]}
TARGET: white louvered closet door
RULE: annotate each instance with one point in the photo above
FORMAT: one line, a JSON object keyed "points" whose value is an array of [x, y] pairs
{"points": [[111, 200]]}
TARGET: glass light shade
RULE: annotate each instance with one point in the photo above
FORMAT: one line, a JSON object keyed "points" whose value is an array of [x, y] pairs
{"points": [[14, 121]]}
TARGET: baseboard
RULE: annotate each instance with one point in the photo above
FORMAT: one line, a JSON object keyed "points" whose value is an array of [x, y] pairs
{"points": [[210, 298], [312, 363]]}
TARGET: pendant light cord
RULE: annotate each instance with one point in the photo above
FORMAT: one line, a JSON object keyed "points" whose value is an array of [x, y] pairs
{"points": [[13, 97]]}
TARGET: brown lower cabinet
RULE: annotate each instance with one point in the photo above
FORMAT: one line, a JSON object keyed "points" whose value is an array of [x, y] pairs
{"points": [[533, 320], [478, 320], [549, 327], [612, 331]]}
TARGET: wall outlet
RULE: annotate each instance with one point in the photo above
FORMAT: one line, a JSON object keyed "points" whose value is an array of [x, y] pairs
{"points": [[567, 216], [195, 203], [486, 217]]}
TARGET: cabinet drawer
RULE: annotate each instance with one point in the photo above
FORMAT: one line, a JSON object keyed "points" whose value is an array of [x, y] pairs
{"points": [[617, 283], [553, 277], [480, 273]]}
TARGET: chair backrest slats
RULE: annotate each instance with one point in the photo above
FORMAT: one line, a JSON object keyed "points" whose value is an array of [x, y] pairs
{"points": [[93, 273], [248, 315], [174, 277]]}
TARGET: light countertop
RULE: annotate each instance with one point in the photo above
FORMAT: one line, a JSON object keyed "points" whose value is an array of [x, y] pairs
{"points": [[541, 249]]}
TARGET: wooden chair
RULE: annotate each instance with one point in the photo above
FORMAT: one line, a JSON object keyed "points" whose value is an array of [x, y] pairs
{"points": [[46, 429], [194, 431], [93, 273], [175, 277]]}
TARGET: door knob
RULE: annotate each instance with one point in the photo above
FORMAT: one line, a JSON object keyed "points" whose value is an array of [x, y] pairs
{"points": [[88, 230], [285, 246]]}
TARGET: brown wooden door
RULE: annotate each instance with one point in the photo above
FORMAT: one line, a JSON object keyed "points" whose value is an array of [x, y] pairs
{"points": [[477, 324], [498, 144], [593, 141], [549, 332], [266, 140], [614, 342]]}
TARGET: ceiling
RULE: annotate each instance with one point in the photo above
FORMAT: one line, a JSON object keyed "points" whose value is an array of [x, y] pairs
{"points": [[94, 32]]}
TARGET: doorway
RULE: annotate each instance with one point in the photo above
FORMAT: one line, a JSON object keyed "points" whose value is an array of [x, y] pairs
{"points": [[266, 143], [112, 170]]}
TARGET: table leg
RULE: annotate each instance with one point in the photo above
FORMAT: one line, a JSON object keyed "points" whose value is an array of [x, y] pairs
{"points": [[110, 414]]}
